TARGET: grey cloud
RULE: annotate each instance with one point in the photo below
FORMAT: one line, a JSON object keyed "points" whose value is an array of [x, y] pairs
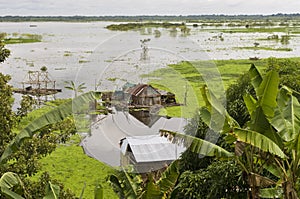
{"points": [[138, 7]]}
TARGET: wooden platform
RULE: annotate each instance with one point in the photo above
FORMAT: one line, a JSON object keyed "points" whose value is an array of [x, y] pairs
{"points": [[37, 92]]}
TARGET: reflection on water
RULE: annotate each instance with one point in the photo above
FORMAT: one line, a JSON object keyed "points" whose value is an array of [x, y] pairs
{"points": [[104, 142]]}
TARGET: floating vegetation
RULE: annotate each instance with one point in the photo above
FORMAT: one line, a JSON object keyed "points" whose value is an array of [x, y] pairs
{"points": [[60, 68], [263, 48], [260, 30], [67, 54], [16, 38], [30, 63], [112, 79], [83, 61], [271, 37], [157, 33], [135, 26]]}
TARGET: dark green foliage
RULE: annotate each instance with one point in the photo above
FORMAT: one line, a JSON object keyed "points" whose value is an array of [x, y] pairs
{"points": [[134, 26], [189, 160], [42, 144], [26, 105], [38, 189], [4, 53], [289, 72], [193, 161], [236, 106], [7, 117], [126, 184], [221, 179]]}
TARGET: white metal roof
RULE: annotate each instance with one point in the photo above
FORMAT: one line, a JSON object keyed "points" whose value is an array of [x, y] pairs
{"points": [[152, 148]]}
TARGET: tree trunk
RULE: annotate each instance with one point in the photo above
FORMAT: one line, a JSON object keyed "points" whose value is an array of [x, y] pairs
{"points": [[288, 191], [254, 192]]}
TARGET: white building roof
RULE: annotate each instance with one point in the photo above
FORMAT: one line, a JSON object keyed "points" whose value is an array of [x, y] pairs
{"points": [[151, 148]]}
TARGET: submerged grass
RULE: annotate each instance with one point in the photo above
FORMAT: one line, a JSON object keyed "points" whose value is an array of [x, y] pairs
{"points": [[263, 48], [16, 38], [20, 40], [262, 30]]}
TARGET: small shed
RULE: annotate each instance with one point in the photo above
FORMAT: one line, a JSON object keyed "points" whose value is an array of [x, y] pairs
{"points": [[167, 97], [143, 95], [148, 153]]}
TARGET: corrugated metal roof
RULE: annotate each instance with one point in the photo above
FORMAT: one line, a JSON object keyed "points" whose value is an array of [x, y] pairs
{"points": [[152, 148]]}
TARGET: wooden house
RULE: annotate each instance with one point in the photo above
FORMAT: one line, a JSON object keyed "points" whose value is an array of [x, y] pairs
{"points": [[143, 95]]}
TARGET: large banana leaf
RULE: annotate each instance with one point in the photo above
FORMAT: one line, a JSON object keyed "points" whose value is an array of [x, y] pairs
{"points": [[127, 185], [152, 190], [287, 115], [7, 181], [250, 102], [265, 107], [258, 140], [56, 115], [165, 185], [197, 145], [255, 76], [267, 93], [214, 113], [169, 178], [52, 191], [216, 109]]}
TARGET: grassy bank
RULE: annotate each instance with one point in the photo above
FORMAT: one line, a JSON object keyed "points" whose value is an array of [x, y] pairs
{"points": [[186, 78], [69, 164], [76, 171]]}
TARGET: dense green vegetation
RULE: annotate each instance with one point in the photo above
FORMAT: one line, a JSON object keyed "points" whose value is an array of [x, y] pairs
{"points": [[254, 157], [263, 48], [188, 18], [16, 38], [262, 30], [189, 76], [135, 26]]}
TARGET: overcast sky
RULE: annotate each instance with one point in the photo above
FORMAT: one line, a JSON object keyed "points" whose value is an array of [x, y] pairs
{"points": [[146, 7]]}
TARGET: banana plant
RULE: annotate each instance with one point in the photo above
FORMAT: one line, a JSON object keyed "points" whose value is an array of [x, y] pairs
{"points": [[131, 185], [271, 140], [11, 186], [9, 181]]}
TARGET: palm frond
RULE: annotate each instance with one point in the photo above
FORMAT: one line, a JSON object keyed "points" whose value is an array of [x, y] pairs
{"points": [[196, 145], [258, 140], [55, 115]]}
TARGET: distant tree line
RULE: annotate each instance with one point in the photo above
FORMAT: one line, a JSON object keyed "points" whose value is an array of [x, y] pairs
{"points": [[278, 16]]}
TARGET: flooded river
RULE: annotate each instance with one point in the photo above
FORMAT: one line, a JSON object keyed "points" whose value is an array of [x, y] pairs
{"points": [[105, 60]]}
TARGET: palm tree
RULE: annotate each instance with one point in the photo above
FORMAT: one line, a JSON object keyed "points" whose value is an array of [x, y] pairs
{"points": [[72, 86]]}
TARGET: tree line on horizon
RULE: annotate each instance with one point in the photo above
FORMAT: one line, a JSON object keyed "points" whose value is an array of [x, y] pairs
{"points": [[77, 18]]}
